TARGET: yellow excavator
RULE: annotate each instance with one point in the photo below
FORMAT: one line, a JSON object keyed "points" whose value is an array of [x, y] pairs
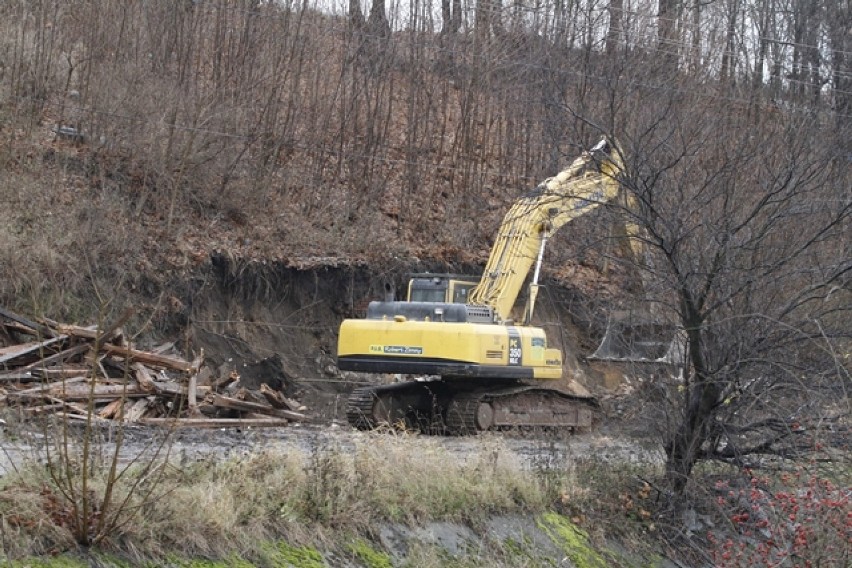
{"points": [[482, 367]]}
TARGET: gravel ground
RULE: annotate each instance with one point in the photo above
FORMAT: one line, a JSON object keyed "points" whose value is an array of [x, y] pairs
{"points": [[533, 450]]}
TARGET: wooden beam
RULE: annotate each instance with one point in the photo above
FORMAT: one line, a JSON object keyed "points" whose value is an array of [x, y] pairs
{"points": [[36, 327], [67, 404], [143, 377], [137, 410], [79, 417], [215, 422], [111, 409], [191, 398], [246, 406], [15, 377], [92, 332], [42, 408], [81, 392], [222, 382], [278, 400], [41, 364], [148, 358], [48, 387], [17, 328], [66, 372], [10, 353], [197, 362], [89, 332], [174, 389]]}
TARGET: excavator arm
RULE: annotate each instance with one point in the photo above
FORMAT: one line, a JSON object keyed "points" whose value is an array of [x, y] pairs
{"points": [[590, 181]]}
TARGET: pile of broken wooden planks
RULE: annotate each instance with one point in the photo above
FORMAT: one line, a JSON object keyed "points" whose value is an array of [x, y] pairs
{"points": [[94, 373]]}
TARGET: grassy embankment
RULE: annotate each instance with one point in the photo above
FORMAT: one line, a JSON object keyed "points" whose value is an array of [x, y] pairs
{"points": [[297, 507]]}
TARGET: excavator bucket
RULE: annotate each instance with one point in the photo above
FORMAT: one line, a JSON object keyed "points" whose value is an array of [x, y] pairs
{"points": [[633, 337]]}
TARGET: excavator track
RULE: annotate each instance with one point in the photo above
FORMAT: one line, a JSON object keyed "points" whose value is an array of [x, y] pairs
{"points": [[410, 405], [459, 408], [461, 417], [522, 407], [359, 408]]}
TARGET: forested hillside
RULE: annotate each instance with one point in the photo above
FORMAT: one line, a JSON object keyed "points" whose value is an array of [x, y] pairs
{"points": [[279, 129], [138, 138]]}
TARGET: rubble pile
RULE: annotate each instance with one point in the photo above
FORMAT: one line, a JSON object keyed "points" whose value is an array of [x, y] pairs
{"points": [[96, 373]]}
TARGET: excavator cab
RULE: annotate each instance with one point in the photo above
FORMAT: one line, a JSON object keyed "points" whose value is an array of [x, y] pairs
{"points": [[446, 288]]}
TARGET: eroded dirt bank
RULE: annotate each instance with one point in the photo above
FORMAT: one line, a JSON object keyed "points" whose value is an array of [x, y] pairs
{"points": [[277, 323]]}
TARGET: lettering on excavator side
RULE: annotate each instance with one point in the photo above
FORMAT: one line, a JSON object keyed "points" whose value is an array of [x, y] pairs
{"points": [[396, 350], [516, 350]]}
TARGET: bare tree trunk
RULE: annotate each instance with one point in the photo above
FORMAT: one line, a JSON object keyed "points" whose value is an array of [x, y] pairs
{"points": [[811, 56], [684, 449], [800, 22], [457, 16], [378, 35], [613, 36], [378, 20], [356, 16], [450, 16], [667, 40], [446, 17], [763, 31], [488, 17], [840, 41], [696, 35], [726, 73]]}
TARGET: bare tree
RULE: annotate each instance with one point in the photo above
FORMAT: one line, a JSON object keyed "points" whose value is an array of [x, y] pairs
{"points": [[489, 17], [747, 215], [728, 51], [377, 23]]}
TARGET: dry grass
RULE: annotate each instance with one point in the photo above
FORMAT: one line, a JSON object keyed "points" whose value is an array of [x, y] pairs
{"points": [[62, 243], [211, 509]]}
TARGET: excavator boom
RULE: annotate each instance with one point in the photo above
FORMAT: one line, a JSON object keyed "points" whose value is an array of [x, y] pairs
{"points": [[590, 181]]}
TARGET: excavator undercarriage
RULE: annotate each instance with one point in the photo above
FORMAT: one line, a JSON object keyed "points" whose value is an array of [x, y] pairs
{"points": [[461, 407]]}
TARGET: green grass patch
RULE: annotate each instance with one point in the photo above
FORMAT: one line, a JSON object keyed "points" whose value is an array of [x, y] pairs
{"points": [[55, 562], [287, 555], [573, 540], [369, 556]]}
